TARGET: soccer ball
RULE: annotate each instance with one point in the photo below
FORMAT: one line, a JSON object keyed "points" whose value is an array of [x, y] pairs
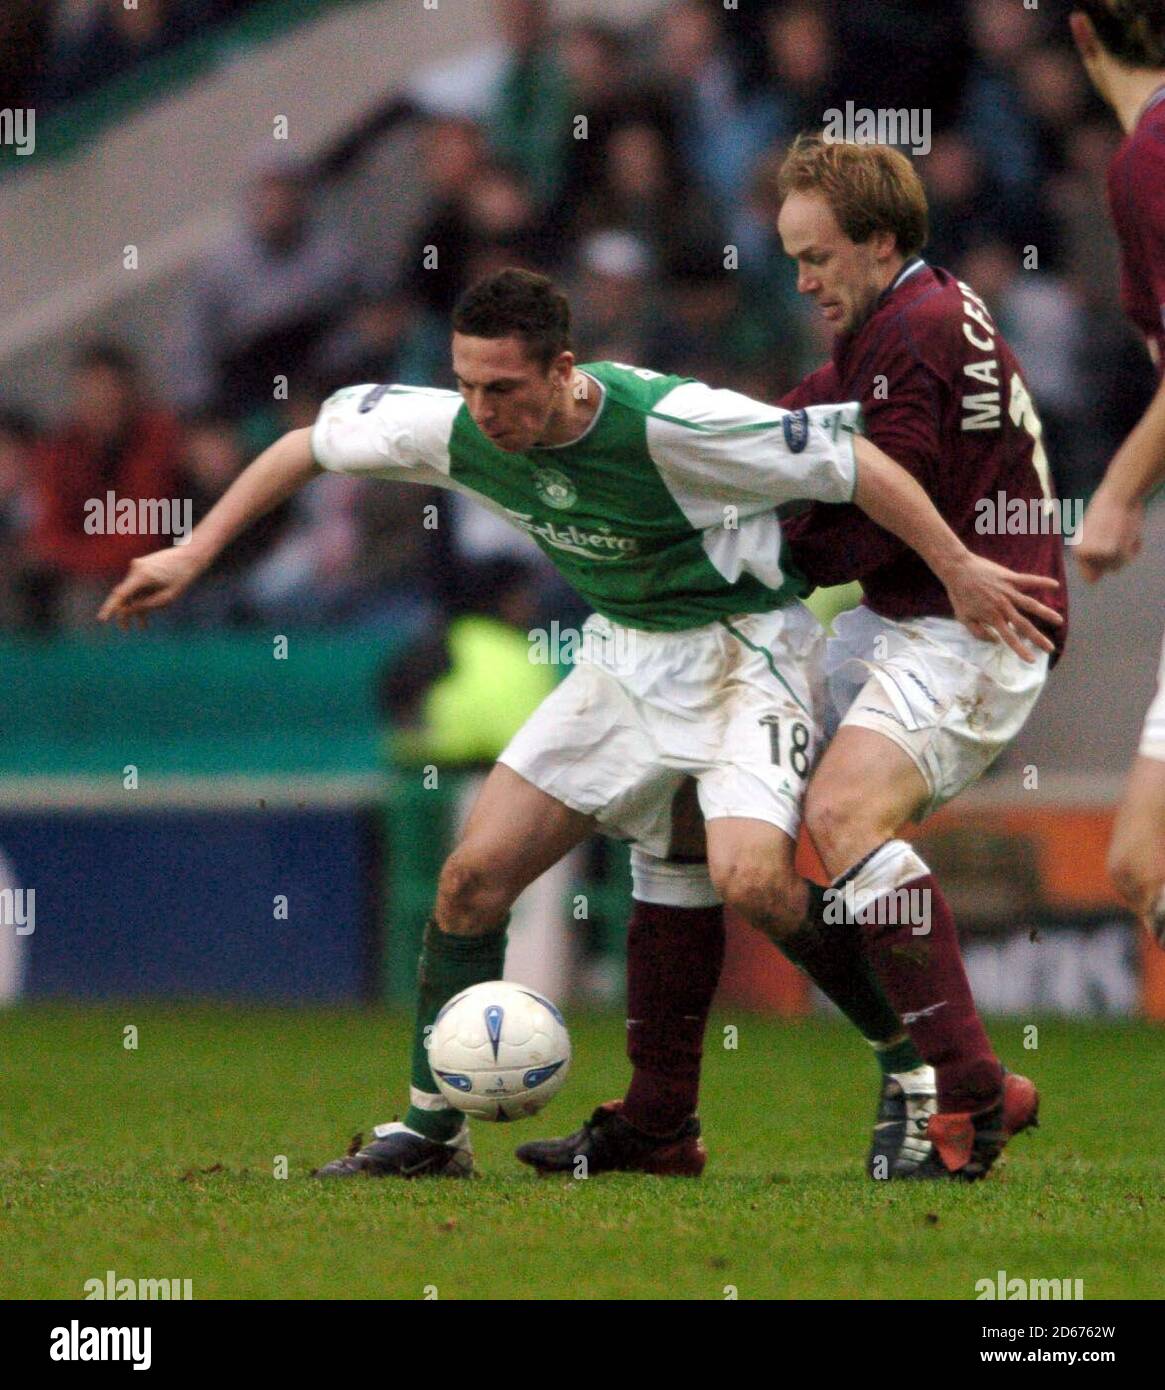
{"points": [[499, 1051]]}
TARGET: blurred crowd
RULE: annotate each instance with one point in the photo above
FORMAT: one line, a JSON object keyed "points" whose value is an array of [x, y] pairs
{"points": [[636, 167], [54, 50]]}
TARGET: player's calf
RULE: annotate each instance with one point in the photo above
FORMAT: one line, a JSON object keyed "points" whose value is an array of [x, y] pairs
{"points": [[675, 951], [1137, 870], [1139, 879], [1136, 856]]}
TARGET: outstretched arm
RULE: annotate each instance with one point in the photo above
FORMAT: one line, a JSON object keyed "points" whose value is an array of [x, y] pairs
{"points": [[157, 579], [1111, 534], [989, 599]]}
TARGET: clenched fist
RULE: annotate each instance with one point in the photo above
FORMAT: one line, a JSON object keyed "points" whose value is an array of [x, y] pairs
{"points": [[1111, 535]]}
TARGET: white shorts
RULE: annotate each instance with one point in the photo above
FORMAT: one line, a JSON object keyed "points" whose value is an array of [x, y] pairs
{"points": [[951, 702], [1152, 743], [737, 705]]}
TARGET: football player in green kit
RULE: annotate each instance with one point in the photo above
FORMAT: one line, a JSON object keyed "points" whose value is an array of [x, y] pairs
{"points": [[655, 496]]}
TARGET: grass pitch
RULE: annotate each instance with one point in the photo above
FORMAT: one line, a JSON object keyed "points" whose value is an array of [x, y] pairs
{"points": [[160, 1162]]}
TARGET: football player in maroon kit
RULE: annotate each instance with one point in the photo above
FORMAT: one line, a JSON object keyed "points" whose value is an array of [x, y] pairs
{"points": [[1122, 44], [921, 707]]}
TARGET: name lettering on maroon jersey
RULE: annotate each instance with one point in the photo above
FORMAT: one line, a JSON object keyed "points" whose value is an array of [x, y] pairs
{"points": [[983, 410]]}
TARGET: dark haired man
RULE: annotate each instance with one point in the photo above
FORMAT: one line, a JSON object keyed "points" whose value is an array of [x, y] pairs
{"points": [[1122, 45], [655, 497]]}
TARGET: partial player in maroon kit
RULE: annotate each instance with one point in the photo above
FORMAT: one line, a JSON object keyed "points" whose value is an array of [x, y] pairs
{"points": [[939, 385], [1122, 45], [923, 711], [920, 707]]}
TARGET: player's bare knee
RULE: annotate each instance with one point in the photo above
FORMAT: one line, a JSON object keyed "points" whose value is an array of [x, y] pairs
{"points": [[470, 899], [1137, 878], [763, 896], [839, 825]]}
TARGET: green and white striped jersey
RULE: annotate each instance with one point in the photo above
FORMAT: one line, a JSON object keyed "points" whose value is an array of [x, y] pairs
{"points": [[661, 514]]}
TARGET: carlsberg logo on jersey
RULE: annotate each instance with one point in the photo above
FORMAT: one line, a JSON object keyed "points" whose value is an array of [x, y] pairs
{"points": [[601, 544]]}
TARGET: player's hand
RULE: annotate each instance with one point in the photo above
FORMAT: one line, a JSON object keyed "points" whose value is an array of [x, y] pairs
{"points": [[1111, 535], [997, 604], [152, 581]]}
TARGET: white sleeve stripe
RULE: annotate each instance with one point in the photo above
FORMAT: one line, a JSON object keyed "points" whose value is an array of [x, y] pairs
{"points": [[835, 426], [717, 450]]}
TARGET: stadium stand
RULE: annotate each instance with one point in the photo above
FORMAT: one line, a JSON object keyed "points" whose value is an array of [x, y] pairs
{"points": [[454, 133]]}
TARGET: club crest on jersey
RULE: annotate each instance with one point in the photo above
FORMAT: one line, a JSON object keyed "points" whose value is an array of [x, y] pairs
{"points": [[554, 488], [796, 427]]}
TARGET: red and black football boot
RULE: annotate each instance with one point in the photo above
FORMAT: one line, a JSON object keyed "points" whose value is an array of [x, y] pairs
{"points": [[967, 1144], [609, 1144]]}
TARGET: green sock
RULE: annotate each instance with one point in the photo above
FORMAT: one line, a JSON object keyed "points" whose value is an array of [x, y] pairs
{"points": [[831, 955], [448, 965], [900, 1055]]}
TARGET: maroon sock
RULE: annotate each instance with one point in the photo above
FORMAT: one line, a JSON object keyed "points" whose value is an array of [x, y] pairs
{"points": [[674, 958], [923, 977]]}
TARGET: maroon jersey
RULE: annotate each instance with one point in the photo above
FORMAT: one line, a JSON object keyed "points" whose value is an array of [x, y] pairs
{"points": [[1136, 195], [943, 395]]}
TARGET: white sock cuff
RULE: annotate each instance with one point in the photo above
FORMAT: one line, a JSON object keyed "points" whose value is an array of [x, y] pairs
{"points": [[426, 1100], [891, 866], [669, 884]]}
